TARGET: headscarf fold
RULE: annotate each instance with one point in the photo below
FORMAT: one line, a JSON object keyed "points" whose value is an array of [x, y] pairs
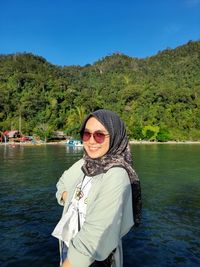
{"points": [[118, 155]]}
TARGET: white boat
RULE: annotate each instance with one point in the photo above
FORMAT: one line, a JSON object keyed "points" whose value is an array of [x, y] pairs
{"points": [[74, 143]]}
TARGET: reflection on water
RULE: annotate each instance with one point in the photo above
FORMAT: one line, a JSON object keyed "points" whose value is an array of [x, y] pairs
{"points": [[74, 150], [169, 234]]}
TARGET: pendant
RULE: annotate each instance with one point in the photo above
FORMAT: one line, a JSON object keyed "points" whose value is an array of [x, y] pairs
{"points": [[79, 193]]}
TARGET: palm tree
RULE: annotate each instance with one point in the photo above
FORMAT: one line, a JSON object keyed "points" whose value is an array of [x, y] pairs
{"points": [[74, 119]]}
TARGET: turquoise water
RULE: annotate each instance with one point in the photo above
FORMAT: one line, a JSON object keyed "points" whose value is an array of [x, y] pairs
{"points": [[168, 236]]}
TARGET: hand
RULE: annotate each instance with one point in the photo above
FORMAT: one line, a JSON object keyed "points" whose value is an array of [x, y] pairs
{"points": [[64, 196], [66, 263]]}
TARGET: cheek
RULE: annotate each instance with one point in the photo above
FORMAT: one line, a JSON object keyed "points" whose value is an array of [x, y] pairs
{"points": [[106, 147]]}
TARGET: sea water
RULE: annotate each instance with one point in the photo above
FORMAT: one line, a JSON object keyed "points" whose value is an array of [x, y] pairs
{"points": [[170, 231]]}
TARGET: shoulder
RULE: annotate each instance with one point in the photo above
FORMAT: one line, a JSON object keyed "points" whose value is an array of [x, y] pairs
{"points": [[74, 169], [117, 176], [76, 166], [117, 170]]}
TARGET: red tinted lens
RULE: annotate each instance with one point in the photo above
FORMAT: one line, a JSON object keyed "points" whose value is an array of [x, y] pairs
{"points": [[86, 136], [99, 137]]}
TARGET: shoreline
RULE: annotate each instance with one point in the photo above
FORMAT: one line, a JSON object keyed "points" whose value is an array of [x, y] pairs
{"points": [[163, 143], [131, 142]]}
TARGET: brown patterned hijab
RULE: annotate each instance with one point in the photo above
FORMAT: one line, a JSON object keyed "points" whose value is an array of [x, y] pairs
{"points": [[118, 155]]}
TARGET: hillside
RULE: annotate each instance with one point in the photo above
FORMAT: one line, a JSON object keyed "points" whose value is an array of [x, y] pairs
{"points": [[158, 97]]}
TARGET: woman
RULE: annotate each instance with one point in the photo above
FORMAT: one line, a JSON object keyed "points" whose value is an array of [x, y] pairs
{"points": [[100, 194]]}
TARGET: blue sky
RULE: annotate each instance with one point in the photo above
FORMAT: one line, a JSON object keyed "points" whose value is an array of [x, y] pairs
{"points": [[79, 32]]}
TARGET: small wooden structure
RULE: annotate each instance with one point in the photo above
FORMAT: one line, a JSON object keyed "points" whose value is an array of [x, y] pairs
{"points": [[57, 136]]}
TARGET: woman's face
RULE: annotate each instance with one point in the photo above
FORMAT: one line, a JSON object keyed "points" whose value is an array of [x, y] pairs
{"points": [[93, 148]]}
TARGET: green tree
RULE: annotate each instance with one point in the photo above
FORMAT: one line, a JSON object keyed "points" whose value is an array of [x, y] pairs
{"points": [[150, 132], [74, 119]]}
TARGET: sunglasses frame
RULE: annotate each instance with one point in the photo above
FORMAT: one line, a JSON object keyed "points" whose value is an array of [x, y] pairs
{"points": [[94, 135]]}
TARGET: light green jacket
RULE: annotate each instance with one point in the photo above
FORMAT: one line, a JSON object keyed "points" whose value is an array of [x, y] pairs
{"points": [[108, 217]]}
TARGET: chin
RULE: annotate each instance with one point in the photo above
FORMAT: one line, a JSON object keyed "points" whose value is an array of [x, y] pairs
{"points": [[93, 155]]}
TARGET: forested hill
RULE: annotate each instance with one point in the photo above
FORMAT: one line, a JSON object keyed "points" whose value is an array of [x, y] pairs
{"points": [[158, 97]]}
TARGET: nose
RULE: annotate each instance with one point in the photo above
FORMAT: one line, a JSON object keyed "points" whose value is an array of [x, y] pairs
{"points": [[92, 140]]}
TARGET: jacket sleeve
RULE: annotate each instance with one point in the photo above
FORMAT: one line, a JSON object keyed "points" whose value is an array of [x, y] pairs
{"points": [[61, 187], [67, 179], [100, 233]]}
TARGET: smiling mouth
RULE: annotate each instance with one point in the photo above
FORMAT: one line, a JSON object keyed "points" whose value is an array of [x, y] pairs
{"points": [[93, 148]]}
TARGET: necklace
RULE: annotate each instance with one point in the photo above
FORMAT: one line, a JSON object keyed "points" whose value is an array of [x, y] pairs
{"points": [[79, 190]]}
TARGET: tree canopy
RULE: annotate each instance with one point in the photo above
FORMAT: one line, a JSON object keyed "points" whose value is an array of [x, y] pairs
{"points": [[158, 97]]}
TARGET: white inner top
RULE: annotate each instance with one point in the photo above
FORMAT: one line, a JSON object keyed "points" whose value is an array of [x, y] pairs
{"points": [[67, 227]]}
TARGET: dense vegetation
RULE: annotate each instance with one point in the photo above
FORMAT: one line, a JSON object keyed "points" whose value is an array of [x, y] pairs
{"points": [[158, 97]]}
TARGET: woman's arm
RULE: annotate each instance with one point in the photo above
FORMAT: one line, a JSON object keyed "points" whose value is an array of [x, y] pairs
{"points": [[61, 193], [67, 180]]}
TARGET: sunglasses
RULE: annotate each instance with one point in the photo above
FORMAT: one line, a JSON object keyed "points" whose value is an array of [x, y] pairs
{"points": [[98, 136]]}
